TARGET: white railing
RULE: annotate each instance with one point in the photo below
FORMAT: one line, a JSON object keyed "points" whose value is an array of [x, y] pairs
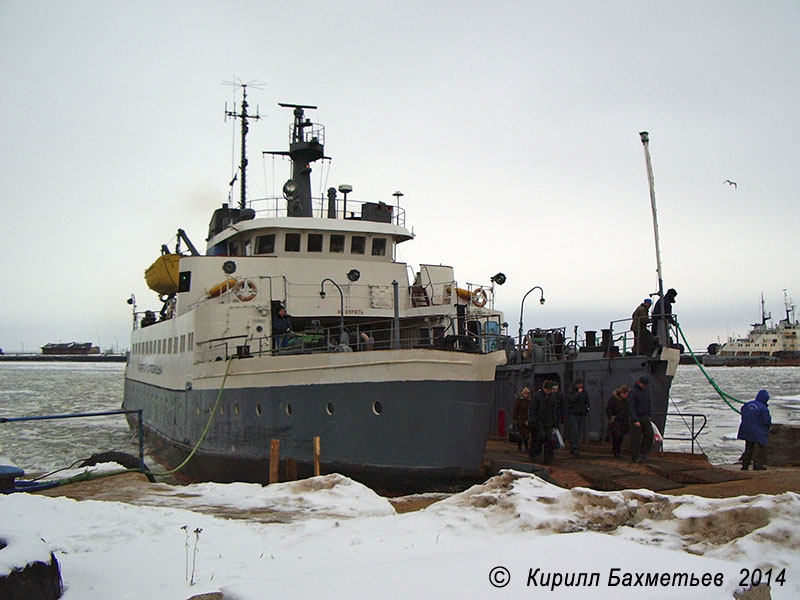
{"points": [[273, 207]]}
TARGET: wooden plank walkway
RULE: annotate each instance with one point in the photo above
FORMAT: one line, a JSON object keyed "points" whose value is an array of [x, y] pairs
{"points": [[597, 468]]}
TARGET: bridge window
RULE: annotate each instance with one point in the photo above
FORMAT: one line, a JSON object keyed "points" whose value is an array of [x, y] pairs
{"points": [[379, 247], [358, 244], [315, 242], [265, 244], [337, 243], [292, 242]]}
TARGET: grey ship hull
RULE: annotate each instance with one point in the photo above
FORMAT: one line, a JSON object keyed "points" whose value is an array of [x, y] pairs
{"points": [[776, 360], [601, 376], [394, 434]]}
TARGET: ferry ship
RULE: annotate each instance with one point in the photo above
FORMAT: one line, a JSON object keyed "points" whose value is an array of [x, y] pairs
{"points": [[400, 373], [765, 345], [392, 372]]}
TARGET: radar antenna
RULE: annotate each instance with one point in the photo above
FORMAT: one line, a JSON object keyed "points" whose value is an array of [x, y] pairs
{"points": [[244, 116]]}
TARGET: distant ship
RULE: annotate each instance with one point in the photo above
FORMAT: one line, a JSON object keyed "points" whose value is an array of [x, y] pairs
{"points": [[764, 346]]}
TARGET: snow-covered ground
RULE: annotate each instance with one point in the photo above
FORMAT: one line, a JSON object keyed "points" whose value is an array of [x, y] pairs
{"points": [[516, 536]]}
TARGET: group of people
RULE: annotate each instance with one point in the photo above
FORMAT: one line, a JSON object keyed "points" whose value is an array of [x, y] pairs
{"points": [[629, 410], [538, 418], [646, 340]]}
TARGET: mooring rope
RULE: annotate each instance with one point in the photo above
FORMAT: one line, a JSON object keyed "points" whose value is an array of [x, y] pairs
{"points": [[724, 395]]}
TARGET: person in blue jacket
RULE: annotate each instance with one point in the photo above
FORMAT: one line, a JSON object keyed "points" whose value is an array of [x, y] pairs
{"points": [[754, 430]]}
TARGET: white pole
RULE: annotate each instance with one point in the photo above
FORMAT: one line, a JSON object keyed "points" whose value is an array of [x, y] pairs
{"points": [[646, 142]]}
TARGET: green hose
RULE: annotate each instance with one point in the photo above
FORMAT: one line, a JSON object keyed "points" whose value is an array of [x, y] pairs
{"points": [[725, 396]]}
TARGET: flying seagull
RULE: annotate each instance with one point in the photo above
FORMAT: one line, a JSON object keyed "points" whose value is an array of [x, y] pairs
{"points": [[733, 183]]}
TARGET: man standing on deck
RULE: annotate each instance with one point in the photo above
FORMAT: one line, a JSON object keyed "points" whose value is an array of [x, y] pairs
{"points": [[281, 327], [754, 430], [639, 320], [662, 317], [642, 428]]}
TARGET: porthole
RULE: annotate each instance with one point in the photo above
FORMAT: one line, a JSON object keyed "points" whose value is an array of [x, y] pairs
{"points": [[236, 408], [377, 407], [289, 410], [258, 409], [329, 408]]}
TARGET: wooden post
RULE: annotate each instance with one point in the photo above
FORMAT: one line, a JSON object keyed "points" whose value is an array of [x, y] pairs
{"points": [[291, 469], [316, 455], [274, 460]]}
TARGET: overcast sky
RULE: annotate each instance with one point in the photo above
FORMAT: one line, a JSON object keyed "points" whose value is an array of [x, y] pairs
{"points": [[512, 128]]}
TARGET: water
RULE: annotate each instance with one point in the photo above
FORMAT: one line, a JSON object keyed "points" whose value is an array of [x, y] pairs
{"points": [[691, 393], [33, 389], [28, 389]]}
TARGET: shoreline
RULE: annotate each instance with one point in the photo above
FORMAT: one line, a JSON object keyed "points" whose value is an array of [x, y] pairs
{"points": [[63, 358]]}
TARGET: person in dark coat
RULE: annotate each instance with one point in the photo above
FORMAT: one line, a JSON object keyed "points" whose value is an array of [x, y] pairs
{"points": [[619, 418], [640, 412], [642, 338], [520, 418], [281, 327], [754, 430], [577, 407], [544, 415], [662, 317]]}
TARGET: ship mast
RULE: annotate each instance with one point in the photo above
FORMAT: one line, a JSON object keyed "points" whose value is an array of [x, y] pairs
{"points": [[307, 144], [244, 116], [789, 308]]}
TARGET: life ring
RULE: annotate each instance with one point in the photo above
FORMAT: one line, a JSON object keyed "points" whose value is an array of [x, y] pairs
{"points": [[245, 290], [479, 297]]}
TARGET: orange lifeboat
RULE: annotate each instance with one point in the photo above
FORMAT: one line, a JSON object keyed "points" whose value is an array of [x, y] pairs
{"points": [[162, 275]]}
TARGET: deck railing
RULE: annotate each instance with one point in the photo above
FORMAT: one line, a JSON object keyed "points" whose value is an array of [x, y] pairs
{"points": [[272, 207], [358, 337], [694, 431], [551, 345]]}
